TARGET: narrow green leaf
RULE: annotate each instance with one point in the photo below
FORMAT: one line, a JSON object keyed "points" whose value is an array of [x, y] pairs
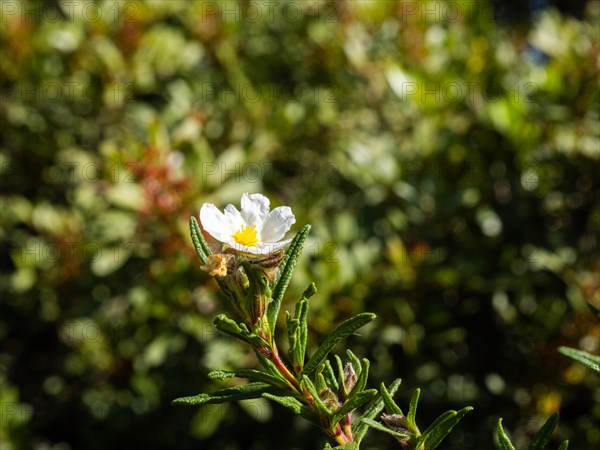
{"points": [[330, 376], [341, 332], [286, 269], [585, 358], [340, 369], [294, 405], [412, 409], [247, 391], [320, 383], [250, 374], [202, 248], [310, 387], [503, 439], [564, 446], [542, 437], [297, 334], [378, 426], [240, 331], [361, 382], [359, 428], [288, 402], [302, 314], [435, 434], [354, 402], [390, 405], [309, 291], [355, 361]]}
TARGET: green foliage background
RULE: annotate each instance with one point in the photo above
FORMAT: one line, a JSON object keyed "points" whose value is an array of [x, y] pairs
{"points": [[451, 181]]}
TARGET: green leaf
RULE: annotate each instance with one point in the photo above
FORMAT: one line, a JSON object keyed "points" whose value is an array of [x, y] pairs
{"points": [[330, 376], [312, 390], [240, 331], [288, 264], [355, 361], [564, 446], [503, 439], [436, 433], [585, 358], [390, 405], [247, 391], [202, 248], [359, 427], [361, 382], [341, 332], [542, 437], [297, 334], [295, 406], [412, 409], [354, 402], [381, 427], [250, 374]]}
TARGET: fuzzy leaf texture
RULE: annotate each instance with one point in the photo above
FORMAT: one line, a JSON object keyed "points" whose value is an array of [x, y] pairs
{"points": [[286, 269], [250, 374], [341, 332], [202, 248], [354, 402], [245, 392], [587, 359], [360, 427], [295, 406], [436, 433], [504, 441]]}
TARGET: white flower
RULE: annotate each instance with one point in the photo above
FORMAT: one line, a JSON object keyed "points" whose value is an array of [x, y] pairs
{"points": [[253, 230]]}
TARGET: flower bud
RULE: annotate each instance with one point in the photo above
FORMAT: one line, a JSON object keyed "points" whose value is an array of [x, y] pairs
{"points": [[349, 377], [330, 399]]}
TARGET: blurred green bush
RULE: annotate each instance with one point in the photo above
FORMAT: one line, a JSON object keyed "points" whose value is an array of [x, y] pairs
{"points": [[447, 161]]}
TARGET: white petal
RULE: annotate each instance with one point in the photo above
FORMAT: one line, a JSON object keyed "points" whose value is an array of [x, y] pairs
{"points": [[255, 207], [276, 224], [215, 222], [264, 248], [235, 218]]}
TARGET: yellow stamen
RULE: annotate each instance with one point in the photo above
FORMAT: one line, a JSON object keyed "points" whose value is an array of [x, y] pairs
{"points": [[246, 236]]}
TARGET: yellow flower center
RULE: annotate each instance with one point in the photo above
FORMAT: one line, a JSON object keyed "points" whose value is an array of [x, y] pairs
{"points": [[246, 236]]}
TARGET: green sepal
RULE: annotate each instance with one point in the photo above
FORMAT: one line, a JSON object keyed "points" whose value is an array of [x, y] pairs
{"points": [[202, 248], [503, 440], [412, 410], [439, 429], [360, 427], [245, 392], [585, 358], [288, 264], [354, 402], [542, 437], [250, 374], [341, 332]]}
